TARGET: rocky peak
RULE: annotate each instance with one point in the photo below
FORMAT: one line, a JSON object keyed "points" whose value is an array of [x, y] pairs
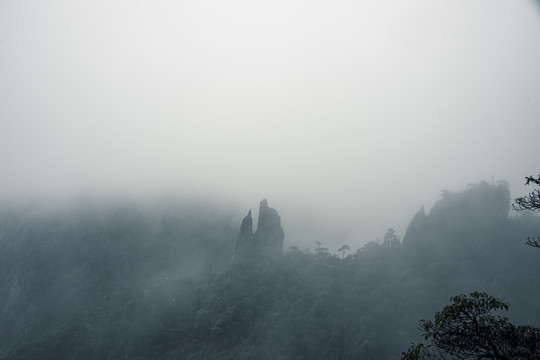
{"points": [[246, 227], [475, 208], [417, 223], [269, 220], [266, 242]]}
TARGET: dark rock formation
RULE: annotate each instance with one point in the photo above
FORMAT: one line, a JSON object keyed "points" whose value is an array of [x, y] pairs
{"points": [[267, 242], [416, 226], [269, 231], [480, 206], [245, 237]]}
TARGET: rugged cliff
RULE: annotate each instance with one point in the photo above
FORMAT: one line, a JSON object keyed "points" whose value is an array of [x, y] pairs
{"points": [[480, 206], [266, 242]]}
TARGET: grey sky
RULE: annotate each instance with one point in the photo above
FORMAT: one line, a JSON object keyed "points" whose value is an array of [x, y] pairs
{"points": [[358, 112]]}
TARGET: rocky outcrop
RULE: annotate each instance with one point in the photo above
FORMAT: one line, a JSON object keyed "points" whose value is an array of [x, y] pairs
{"points": [[480, 206], [266, 242], [269, 233], [245, 238], [416, 226]]}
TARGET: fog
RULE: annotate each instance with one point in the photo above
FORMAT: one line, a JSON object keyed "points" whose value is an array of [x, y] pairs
{"points": [[347, 116]]}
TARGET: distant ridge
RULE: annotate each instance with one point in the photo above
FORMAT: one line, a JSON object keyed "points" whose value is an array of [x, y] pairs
{"points": [[475, 207]]}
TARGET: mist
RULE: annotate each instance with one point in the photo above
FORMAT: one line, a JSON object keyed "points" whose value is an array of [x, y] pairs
{"points": [[355, 113], [138, 140]]}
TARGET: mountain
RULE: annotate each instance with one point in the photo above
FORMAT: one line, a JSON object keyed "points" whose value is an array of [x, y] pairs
{"points": [[129, 280]]}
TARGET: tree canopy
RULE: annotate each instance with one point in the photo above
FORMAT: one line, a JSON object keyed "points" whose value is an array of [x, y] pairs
{"points": [[468, 329], [530, 202]]}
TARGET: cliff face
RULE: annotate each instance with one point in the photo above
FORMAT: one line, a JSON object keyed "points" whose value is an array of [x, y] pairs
{"points": [[266, 242], [466, 211]]}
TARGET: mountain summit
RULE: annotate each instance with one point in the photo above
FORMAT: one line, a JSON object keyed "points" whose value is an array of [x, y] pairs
{"points": [[266, 242]]}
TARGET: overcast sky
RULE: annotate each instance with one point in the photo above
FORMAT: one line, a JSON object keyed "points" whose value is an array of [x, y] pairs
{"points": [[357, 112]]}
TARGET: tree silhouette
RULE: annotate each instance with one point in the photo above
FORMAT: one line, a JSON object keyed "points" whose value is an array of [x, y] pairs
{"points": [[467, 329], [530, 202], [344, 248], [390, 238]]}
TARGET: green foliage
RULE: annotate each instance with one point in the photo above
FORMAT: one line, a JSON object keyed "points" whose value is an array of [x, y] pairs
{"points": [[467, 329]]}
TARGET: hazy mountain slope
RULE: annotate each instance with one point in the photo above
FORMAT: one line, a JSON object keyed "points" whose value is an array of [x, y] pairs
{"points": [[130, 280]]}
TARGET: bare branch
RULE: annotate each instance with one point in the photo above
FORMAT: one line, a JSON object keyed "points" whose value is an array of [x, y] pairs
{"points": [[534, 242], [532, 179], [529, 202]]}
